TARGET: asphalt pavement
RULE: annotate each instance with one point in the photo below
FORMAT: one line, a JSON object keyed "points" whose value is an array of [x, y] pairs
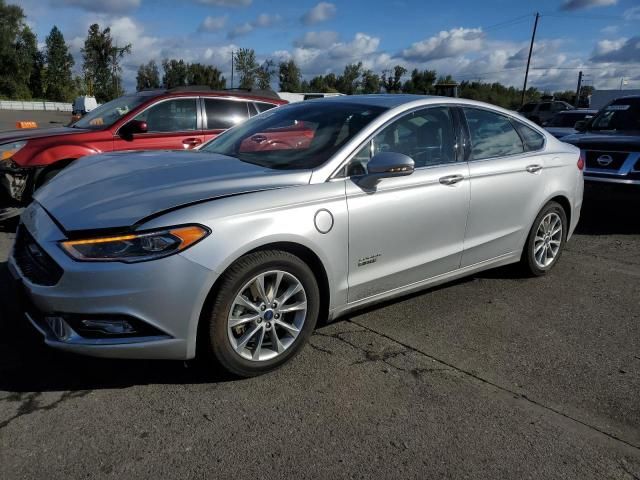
{"points": [[494, 376]]}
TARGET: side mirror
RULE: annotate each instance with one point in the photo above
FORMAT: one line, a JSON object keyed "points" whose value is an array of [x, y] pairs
{"points": [[581, 125], [134, 126], [386, 165]]}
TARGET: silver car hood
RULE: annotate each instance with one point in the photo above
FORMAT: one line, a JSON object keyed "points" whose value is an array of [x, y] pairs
{"points": [[117, 190]]}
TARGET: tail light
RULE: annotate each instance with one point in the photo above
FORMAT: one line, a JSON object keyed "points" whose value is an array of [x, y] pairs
{"points": [[581, 161]]}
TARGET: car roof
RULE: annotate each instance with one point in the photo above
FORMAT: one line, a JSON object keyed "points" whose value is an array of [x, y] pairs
{"points": [[256, 95], [388, 100]]}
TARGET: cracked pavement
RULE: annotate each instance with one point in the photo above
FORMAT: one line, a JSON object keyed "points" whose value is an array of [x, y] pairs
{"points": [[494, 376]]}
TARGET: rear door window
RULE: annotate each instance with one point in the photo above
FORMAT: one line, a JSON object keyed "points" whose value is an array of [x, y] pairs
{"points": [[492, 134], [223, 114]]}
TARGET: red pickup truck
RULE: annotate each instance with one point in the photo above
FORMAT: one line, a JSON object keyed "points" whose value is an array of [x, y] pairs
{"points": [[181, 118]]}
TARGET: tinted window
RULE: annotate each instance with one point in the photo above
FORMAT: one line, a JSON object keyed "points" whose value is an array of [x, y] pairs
{"points": [[223, 114], [492, 134], [426, 136], [297, 136], [532, 140], [621, 114], [559, 107], [544, 107], [263, 107], [171, 116]]}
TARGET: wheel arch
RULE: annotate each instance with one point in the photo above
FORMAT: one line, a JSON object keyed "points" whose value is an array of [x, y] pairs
{"points": [[565, 204], [303, 252]]}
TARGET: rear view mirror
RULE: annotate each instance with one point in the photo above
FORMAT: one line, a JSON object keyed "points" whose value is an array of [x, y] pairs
{"points": [[386, 165]]}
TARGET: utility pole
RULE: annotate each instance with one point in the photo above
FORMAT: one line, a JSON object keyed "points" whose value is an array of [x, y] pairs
{"points": [[577, 102], [526, 74], [231, 68]]}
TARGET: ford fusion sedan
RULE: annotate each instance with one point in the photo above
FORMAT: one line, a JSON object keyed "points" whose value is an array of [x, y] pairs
{"points": [[234, 251]]}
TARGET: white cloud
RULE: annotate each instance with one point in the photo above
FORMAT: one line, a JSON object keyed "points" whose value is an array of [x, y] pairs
{"points": [[110, 6], [446, 44], [263, 20], [322, 12], [622, 50], [632, 14], [582, 4], [317, 39], [213, 24]]}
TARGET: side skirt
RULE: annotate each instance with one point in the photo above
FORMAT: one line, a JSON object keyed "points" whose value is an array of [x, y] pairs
{"points": [[500, 261]]}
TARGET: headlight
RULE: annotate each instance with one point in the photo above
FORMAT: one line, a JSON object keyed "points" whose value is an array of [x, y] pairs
{"points": [[7, 150], [136, 247]]}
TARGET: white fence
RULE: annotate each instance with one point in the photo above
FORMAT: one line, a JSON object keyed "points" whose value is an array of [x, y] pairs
{"points": [[47, 106]]}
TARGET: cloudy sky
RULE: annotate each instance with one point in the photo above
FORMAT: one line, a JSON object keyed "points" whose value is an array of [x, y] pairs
{"points": [[468, 39]]}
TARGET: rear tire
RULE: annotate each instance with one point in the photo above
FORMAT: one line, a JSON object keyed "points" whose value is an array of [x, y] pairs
{"points": [[546, 240], [265, 309]]}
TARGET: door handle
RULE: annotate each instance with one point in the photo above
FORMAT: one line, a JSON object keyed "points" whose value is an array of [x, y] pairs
{"points": [[259, 138], [451, 179], [191, 142], [534, 168]]}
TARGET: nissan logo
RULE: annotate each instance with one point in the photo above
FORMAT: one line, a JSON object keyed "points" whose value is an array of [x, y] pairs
{"points": [[604, 160]]}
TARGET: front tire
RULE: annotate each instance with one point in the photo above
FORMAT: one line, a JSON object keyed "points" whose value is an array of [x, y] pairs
{"points": [[546, 240], [265, 309]]}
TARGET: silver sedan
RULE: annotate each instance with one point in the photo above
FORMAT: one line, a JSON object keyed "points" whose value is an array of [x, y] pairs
{"points": [[306, 211]]}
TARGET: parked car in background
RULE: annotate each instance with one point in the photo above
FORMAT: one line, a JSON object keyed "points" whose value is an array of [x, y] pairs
{"points": [[237, 251], [540, 112], [610, 142], [563, 123], [180, 118]]}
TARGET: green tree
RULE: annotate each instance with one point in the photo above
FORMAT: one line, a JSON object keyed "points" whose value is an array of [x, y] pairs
{"points": [[392, 81], [421, 82], [148, 76], [348, 82], [102, 63], [370, 82], [264, 74], [12, 81], [289, 75], [198, 74], [58, 81], [246, 65], [175, 73]]}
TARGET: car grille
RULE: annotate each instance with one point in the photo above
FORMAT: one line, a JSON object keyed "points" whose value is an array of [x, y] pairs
{"points": [[33, 261], [616, 159]]}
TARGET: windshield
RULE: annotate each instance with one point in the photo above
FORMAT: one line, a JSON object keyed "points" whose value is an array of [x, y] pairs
{"points": [[107, 114], [298, 136], [621, 114]]}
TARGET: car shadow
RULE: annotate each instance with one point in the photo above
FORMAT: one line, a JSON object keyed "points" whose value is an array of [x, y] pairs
{"points": [[610, 210], [27, 365]]}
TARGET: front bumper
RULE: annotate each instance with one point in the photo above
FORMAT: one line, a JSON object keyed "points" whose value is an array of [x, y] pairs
{"points": [[165, 294]]}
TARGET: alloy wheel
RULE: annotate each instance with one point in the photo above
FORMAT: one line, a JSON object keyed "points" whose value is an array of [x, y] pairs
{"points": [[267, 315], [548, 240]]}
